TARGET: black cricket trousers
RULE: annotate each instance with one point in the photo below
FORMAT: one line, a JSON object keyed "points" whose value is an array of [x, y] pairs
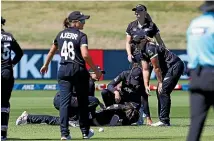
{"points": [[201, 99], [169, 82], [7, 83], [73, 75]]}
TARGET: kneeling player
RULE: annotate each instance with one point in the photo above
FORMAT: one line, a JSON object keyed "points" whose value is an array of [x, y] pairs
{"points": [[132, 89]]}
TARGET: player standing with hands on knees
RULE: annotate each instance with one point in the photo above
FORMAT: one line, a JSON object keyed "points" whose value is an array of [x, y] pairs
{"points": [[8, 44], [200, 50], [73, 47], [168, 68]]}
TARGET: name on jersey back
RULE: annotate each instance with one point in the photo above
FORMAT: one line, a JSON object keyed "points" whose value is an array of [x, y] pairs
{"points": [[69, 36], [6, 38]]}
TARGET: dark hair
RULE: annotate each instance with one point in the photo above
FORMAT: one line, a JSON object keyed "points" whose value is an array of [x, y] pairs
{"points": [[66, 23], [3, 21]]}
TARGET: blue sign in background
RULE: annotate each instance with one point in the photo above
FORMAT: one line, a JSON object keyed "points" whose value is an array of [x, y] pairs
{"points": [[114, 62]]}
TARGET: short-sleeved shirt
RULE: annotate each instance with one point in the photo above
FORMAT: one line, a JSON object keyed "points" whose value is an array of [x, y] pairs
{"points": [[149, 27], [166, 58], [69, 42], [200, 41], [8, 44]]}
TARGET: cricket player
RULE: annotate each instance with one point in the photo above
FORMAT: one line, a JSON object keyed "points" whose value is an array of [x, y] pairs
{"points": [[73, 47], [168, 68], [8, 44]]}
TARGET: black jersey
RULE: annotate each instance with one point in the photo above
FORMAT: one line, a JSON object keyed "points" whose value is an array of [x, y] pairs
{"points": [[148, 27], [69, 42], [131, 92], [166, 58], [8, 44]]}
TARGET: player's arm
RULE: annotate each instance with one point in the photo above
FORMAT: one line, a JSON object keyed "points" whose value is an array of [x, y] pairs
{"points": [[128, 40], [128, 46], [157, 69], [86, 56], [146, 73], [18, 52], [50, 55], [159, 40], [112, 86]]}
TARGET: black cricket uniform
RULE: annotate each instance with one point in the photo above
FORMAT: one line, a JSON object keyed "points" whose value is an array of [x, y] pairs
{"points": [[73, 111], [72, 73], [134, 28], [131, 90], [91, 87], [8, 44], [172, 68]]}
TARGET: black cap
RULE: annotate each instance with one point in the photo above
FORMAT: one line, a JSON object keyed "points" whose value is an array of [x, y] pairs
{"points": [[3, 21], [99, 68], [207, 6], [136, 76], [139, 8], [77, 15]]}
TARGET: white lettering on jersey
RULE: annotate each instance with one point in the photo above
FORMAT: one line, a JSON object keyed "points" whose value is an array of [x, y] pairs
{"points": [[68, 36]]}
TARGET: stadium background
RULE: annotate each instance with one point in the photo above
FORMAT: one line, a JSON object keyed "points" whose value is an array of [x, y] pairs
{"points": [[35, 25]]}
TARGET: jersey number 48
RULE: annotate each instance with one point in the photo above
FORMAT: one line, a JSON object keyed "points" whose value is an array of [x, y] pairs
{"points": [[68, 50]]}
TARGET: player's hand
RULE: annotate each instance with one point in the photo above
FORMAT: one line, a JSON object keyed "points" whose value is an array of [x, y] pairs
{"points": [[117, 96], [147, 89], [44, 69], [159, 87], [98, 75], [130, 58], [102, 106], [93, 76]]}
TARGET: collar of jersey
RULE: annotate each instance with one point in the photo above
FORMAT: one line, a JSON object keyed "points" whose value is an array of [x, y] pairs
{"points": [[73, 28], [139, 25]]}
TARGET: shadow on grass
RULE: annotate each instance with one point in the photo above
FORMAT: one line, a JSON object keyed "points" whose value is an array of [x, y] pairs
{"points": [[15, 139], [132, 138], [107, 138]]}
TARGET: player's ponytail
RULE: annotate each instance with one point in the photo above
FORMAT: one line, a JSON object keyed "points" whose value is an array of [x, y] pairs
{"points": [[66, 23]]}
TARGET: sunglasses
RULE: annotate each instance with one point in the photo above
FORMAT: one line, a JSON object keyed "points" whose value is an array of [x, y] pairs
{"points": [[82, 21]]}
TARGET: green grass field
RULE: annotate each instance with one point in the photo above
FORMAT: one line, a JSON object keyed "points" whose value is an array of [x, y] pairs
{"points": [[40, 102], [36, 24]]}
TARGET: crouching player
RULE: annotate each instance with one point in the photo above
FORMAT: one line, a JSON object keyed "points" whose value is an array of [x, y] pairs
{"points": [[132, 89]]}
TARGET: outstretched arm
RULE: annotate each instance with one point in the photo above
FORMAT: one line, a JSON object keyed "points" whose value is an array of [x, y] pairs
{"points": [[159, 40]]}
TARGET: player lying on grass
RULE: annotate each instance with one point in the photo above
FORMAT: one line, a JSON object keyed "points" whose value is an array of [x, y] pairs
{"points": [[26, 118], [105, 116], [52, 120], [132, 90]]}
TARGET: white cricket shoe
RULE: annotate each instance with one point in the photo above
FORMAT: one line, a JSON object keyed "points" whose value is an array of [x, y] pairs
{"points": [[66, 138], [90, 134], [159, 123], [22, 119], [74, 123]]}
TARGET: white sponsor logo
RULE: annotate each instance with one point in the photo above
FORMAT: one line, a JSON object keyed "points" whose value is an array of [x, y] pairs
{"points": [[166, 78], [28, 87], [50, 87]]}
